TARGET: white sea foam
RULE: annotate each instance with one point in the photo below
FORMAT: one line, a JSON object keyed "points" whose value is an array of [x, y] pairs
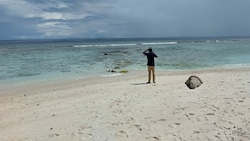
{"points": [[111, 75], [119, 45], [103, 45], [160, 43], [123, 44], [237, 65], [85, 46]]}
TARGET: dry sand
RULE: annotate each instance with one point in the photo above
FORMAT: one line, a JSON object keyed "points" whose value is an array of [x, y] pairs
{"points": [[124, 108]]}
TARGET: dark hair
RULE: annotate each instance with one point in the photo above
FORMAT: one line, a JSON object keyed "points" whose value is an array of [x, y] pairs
{"points": [[150, 49]]}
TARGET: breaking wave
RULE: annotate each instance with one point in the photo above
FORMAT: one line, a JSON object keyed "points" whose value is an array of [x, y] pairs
{"points": [[104, 45], [160, 43], [124, 45]]}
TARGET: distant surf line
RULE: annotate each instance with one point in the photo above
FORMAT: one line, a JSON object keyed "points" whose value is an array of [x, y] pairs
{"points": [[132, 44]]}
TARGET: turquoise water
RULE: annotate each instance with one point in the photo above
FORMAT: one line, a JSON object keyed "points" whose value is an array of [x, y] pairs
{"points": [[55, 59]]}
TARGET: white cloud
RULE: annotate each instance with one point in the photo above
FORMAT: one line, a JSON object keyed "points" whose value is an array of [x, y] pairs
{"points": [[25, 9], [62, 16], [49, 24], [55, 29], [52, 15], [19, 8]]}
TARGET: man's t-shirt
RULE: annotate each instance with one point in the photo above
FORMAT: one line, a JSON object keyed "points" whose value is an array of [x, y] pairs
{"points": [[150, 56]]}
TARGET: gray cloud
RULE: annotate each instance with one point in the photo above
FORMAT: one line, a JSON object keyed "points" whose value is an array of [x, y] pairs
{"points": [[120, 18]]}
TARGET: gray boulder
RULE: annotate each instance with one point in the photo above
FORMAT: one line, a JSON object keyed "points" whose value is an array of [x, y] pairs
{"points": [[193, 82]]}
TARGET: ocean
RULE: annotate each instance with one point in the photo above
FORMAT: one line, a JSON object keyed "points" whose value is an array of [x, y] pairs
{"points": [[49, 60]]}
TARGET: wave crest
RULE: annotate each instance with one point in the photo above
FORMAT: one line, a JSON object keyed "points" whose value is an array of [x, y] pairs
{"points": [[119, 45]]}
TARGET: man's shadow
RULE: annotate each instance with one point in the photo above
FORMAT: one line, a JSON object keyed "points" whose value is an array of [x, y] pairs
{"points": [[140, 83]]}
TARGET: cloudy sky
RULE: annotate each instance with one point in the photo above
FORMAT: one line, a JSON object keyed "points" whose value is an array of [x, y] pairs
{"points": [[45, 19]]}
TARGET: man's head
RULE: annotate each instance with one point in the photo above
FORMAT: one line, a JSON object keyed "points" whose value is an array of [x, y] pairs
{"points": [[150, 49]]}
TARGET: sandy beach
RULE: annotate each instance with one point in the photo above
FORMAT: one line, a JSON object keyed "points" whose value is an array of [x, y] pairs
{"points": [[124, 108]]}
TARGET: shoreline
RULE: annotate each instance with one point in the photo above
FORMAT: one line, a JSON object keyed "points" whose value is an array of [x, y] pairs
{"points": [[126, 108], [48, 85]]}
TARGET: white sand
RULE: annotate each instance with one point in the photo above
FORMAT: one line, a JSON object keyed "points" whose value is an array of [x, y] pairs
{"points": [[124, 108]]}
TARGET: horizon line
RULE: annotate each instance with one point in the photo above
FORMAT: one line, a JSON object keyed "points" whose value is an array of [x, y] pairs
{"points": [[108, 38]]}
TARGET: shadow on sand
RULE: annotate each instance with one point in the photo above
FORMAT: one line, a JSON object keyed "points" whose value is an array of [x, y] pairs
{"points": [[140, 83]]}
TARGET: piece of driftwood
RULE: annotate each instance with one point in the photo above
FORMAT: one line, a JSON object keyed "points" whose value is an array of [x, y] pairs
{"points": [[193, 82]]}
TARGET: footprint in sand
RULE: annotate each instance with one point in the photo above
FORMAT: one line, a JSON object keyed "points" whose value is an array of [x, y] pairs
{"points": [[121, 134], [210, 114], [160, 120], [199, 119], [138, 127], [174, 125], [88, 136], [196, 132], [171, 126], [172, 137], [153, 138], [53, 135], [177, 123]]}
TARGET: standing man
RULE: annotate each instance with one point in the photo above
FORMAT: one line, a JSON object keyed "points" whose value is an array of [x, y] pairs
{"points": [[151, 63]]}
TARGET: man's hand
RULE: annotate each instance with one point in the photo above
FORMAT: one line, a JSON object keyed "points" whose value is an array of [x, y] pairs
{"points": [[144, 51]]}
